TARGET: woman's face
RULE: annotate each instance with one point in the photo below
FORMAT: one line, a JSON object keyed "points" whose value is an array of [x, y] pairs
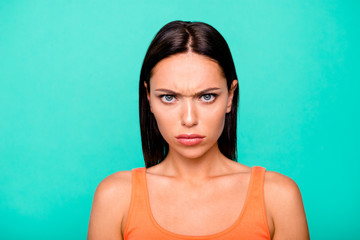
{"points": [[189, 99]]}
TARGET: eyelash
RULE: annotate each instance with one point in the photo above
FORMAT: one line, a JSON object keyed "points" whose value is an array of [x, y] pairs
{"points": [[213, 95]]}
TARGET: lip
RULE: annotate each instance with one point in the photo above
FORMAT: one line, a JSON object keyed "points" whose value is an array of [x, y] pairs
{"points": [[190, 139], [190, 136]]}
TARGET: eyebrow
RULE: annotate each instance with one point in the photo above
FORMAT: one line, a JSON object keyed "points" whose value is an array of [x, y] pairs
{"points": [[176, 93]]}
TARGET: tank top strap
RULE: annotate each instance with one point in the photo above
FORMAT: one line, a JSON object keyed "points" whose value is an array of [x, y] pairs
{"points": [[138, 204], [138, 182], [256, 187], [254, 209]]}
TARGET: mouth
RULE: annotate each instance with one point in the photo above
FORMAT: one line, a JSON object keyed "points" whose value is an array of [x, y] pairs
{"points": [[190, 139]]}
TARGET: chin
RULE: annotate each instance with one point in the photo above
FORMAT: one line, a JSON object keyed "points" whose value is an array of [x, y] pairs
{"points": [[191, 152], [193, 156]]}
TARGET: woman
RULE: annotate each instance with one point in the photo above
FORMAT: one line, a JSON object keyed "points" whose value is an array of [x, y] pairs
{"points": [[192, 186]]}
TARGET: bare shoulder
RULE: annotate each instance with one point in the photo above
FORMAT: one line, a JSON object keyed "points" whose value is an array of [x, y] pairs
{"points": [[285, 207], [280, 191], [114, 191], [276, 183], [119, 182], [110, 205]]}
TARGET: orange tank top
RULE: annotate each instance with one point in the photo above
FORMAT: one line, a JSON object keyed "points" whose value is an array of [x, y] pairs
{"points": [[251, 223]]}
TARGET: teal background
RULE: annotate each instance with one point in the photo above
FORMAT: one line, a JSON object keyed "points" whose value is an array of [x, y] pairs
{"points": [[69, 102]]}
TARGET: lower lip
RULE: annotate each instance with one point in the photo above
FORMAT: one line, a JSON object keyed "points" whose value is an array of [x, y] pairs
{"points": [[189, 141]]}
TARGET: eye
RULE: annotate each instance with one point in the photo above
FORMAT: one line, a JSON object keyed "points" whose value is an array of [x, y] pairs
{"points": [[167, 98], [210, 97]]}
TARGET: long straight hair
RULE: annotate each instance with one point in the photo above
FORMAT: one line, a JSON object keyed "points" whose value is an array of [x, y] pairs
{"points": [[181, 37]]}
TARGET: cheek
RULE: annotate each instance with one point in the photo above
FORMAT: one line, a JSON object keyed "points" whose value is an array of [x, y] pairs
{"points": [[165, 122], [215, 122]]}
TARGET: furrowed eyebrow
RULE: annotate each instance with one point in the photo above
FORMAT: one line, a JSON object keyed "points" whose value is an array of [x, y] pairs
{"points": [[175, 93]]}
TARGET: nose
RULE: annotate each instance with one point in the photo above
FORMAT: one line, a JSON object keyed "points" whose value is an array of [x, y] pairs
{"points": [[189, 114]]}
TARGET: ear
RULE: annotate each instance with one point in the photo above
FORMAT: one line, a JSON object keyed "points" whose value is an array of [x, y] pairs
{"points": [[148, 95], [231, 95]]}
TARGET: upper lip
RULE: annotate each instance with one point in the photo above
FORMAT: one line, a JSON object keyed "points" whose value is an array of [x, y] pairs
{"points": [[190, 136]]}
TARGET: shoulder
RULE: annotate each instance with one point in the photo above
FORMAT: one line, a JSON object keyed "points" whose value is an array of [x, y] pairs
{"points": [[118, 182], [284, 206], [110, 205], [280, 192], [115, 189], [276, 183]]}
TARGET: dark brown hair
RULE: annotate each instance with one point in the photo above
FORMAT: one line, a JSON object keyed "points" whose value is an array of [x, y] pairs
{"points": [[181, 37]]}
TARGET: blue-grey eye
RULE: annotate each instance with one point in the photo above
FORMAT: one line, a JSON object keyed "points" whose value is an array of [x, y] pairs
{"points": [[208, 97], [168, 98]]}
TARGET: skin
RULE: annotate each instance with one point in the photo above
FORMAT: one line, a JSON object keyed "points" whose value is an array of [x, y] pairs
{"points": [[195, 190]]}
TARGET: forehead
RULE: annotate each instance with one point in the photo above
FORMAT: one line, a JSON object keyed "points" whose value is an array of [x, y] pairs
{"points": [[187, 72]]}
